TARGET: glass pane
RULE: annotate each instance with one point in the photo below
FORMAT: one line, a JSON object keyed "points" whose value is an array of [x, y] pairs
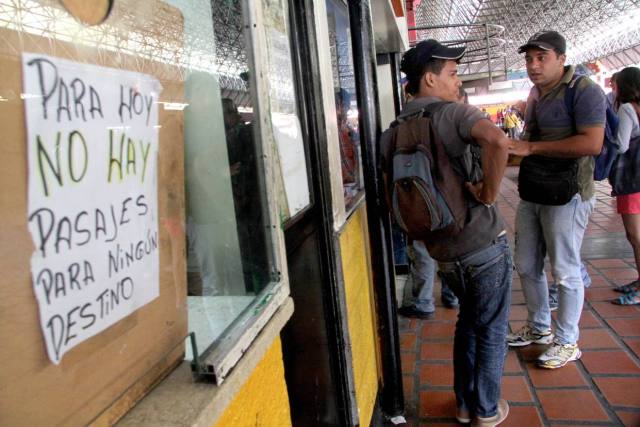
{"points": [[345, 95], [284, 117], [202, 109], [228, 248]]}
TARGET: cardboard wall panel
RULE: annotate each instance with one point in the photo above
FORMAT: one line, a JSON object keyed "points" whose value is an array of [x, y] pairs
{"points": [[110, 366]]}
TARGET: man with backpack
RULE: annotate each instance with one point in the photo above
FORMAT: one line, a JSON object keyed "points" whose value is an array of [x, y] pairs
{"points": [[443, 162], [557, 194], [417, 298]]}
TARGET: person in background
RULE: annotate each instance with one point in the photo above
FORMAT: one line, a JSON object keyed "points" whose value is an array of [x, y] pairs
{"points": [[463, 97], [417, 299], [511, 124], [244, 187], [625, 175], [348, 149], [611, 96]]}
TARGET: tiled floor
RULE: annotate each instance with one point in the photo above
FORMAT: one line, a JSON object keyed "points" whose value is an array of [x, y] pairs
{"points": [[601, 389]]}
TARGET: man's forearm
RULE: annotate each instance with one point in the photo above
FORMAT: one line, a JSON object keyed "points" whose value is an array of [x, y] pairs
{"points": [[494, 162], [571, 148], [495, 148]]}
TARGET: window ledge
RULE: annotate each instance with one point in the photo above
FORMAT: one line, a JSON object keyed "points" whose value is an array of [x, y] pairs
{"points": [[179, 401]]}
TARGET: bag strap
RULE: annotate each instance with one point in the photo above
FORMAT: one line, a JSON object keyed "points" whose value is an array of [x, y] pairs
{"points": [[569, 99], [533, 129], [426, 111]]}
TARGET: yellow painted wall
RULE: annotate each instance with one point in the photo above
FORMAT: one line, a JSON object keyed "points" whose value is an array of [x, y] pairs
{"points": [[263, 400], [360, 312]]}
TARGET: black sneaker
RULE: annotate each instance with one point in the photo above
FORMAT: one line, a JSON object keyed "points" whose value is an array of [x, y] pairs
{"points": [[450, 303], [411, 311]]}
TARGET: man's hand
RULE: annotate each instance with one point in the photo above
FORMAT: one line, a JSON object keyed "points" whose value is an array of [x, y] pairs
{"points": [[476, 192], [519, 148], [494, 144], [587, 142]]}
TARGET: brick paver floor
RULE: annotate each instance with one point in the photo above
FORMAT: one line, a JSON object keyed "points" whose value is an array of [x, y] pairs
{"points": [[601, 389]]}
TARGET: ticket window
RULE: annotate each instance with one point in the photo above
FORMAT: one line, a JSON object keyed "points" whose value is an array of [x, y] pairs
{"points": [[229, 247], [245, 172], [224, 169], [346, 102]]}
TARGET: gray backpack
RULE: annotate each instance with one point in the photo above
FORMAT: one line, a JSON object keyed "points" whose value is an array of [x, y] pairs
{"points": [[424, 193]]}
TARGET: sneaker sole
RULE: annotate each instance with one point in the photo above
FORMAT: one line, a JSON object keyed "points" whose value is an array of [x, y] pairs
{"points": [[548, 339], [499, 418], [573, 359]]}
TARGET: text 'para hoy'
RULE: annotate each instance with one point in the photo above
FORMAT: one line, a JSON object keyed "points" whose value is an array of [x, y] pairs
{"points": [[76, 100]]}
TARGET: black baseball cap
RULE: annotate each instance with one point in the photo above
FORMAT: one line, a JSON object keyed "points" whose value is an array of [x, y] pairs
{"points": [[546, 40], [414, 59]]}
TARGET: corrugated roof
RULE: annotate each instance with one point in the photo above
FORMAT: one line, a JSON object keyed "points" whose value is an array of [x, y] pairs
{"points": [[594, 29]]}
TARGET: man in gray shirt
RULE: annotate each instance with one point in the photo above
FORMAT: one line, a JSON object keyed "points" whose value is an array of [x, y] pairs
{"points": [[476, 262], [557, 195]]}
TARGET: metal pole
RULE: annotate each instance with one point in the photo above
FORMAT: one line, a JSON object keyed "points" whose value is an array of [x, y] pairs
{"points": [[505, 67], [486, 28], [398, 95], [499, 28]]}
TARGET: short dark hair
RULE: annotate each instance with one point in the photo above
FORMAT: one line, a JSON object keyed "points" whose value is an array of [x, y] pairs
{"points": [[229, 106], [433, 65], [614, 78], [628, 82]]}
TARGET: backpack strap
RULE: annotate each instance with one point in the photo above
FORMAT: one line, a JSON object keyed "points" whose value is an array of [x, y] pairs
{"points": [[426, 111], [433, 107], [569, 98]]}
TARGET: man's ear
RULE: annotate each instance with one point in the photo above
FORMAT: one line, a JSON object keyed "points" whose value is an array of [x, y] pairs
{"points": [[563, 58], [429, 79]]}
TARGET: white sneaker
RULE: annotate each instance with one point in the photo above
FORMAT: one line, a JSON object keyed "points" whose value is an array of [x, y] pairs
{"points": [[463, 416], [559, 355], [526, 335], [499, 417]]}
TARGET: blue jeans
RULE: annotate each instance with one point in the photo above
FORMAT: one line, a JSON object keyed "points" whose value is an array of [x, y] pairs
{"points": [[482, 282], [419, 291], [586, 281], [558, 231]]}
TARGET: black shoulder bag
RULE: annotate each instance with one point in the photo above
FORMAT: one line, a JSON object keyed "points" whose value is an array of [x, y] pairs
{"points": [[547, 180]]}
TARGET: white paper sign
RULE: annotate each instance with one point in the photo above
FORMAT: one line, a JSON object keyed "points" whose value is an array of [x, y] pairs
{"points": [[93, 209]]}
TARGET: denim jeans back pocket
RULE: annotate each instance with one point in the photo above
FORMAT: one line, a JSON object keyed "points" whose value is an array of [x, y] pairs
{"points": [[489, 275]]}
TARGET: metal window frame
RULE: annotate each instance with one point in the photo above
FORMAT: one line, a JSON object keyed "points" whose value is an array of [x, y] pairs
{"points": [[225, 352]]}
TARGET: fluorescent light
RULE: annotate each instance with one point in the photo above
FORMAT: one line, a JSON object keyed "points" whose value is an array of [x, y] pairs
{"points": [[499, 98], [177, 106]]}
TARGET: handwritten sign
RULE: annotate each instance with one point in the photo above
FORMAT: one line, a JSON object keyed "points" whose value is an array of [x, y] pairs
{"points": [[92, 210]]}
